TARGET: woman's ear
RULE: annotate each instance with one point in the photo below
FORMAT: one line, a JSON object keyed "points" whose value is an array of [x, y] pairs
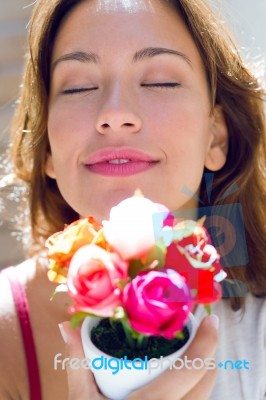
{"points": [[218, 145], [49, 167]]}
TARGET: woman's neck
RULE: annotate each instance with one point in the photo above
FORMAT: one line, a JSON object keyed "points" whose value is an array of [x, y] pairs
{"points": [[40, 287]]}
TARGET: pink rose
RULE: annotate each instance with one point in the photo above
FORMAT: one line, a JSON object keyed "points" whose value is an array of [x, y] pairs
{"points": [[93, 279], [157, 303], [130, 229]]}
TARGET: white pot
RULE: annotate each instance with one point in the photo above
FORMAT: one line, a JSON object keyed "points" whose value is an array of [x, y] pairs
{"points": [[115, 378]]}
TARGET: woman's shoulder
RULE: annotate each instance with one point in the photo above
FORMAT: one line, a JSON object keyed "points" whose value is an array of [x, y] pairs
{"points": [[250, 318], [12, 356], [252, 311], [22, 271], [43, 320], [243, 332], [22, 274], [241, 349]]}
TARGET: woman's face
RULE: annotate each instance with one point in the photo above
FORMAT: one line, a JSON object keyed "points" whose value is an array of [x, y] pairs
{"points": [[129, 108]]}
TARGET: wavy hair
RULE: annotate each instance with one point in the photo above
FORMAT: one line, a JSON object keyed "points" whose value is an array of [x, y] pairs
{"points": [[231, 85]]}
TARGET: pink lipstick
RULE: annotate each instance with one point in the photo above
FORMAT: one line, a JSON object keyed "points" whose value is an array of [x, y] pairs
{"points": [[120, 162]]}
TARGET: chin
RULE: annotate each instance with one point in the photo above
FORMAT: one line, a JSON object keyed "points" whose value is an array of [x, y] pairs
{"points": [[100, 206], [100, 203]]}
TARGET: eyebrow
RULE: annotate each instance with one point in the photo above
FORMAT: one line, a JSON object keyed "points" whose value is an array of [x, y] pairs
{"points": [[148, 52], [81, 56], [151, 52]]}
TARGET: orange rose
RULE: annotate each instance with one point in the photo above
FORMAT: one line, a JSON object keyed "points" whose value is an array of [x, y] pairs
{"points": [[63, 245], [57, 273]]}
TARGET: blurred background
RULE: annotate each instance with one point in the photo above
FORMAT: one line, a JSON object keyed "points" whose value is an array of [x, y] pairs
{"points": [[247, 22]]}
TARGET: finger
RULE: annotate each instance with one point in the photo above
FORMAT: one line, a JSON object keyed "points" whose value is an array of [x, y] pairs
{"points": [[203, 389], [81, 383], [181, 382]]}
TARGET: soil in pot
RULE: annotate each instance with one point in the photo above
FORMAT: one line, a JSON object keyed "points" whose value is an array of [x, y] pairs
{"points": [[113, 342]]}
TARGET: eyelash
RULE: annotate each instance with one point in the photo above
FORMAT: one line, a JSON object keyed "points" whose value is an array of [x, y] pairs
{"points": [[165, 85], [170, 85], [78, 90]]}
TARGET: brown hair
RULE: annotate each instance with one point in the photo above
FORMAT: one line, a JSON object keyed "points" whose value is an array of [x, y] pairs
{"points": [[231, 85]]}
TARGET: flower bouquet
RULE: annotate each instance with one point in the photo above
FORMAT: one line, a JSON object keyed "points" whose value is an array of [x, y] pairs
{"points": [[134, 281]]}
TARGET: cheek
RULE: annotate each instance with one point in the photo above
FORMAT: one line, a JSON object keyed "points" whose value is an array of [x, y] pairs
{"points": [[182, 133], [68, 127], [182, 129]]}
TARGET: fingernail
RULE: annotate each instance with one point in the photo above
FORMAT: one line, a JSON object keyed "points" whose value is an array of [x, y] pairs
{"points": [[63, 332], [214, 321]]}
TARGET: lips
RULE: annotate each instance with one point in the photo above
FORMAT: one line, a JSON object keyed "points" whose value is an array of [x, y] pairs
{"points": [[120, 162], [110, 154]]}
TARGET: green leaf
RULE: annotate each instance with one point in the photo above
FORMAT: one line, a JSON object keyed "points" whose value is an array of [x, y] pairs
{"points": [[208, 309], [122, 283], [135, 267], [158, 253], [59, 289], [119, 313], [179, 335], [78, 318]]}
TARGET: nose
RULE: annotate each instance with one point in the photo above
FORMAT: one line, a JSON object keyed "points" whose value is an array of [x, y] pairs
{"points": [[118, 114]]}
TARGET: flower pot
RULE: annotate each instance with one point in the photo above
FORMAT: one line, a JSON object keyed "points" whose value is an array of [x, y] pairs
{"points": [[116, 378]]}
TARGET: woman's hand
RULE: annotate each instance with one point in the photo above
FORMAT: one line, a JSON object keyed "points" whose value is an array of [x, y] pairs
{"points": [[187, 384], [183, 384], [81, 383]]}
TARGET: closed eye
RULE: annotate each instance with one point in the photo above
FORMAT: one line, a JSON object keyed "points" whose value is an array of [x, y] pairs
{"points": [[162, 84], [78, 90]]}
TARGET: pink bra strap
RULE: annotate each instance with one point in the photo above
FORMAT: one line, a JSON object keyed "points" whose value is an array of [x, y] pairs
{"points": [[22, 308]]}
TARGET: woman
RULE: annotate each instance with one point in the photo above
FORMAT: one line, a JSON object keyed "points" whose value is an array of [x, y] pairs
{"points": [[119, 95]]}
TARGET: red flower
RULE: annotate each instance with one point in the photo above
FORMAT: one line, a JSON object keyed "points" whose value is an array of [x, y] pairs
{"points": [[193, 256]]}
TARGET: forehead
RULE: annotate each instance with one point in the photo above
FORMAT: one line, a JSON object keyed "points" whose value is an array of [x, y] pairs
{"points": [[131, 6], [111, 8], [121, 27], [150, 17]]}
